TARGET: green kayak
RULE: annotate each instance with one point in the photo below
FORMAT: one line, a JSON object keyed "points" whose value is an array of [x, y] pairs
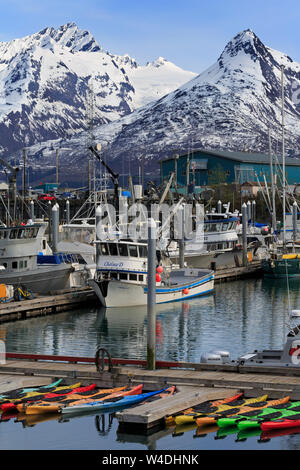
{"points": [[269, 415], [252, 414]]}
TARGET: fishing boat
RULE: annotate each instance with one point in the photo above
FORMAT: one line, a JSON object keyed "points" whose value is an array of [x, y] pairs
{"points": [[215, 240], [121, 277], [20, 249]]}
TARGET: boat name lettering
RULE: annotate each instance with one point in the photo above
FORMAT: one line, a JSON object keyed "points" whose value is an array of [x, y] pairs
{"points": [[113, 265]]}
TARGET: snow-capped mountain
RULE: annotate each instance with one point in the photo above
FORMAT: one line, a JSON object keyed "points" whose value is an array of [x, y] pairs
{"points": [[231, 106], [60, 81]]}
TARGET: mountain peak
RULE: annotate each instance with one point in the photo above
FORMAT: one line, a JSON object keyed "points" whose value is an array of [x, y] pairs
{"points": [[75, 39]]}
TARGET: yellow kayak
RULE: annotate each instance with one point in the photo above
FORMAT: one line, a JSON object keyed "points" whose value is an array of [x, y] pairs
{"points": [[190, 417]]}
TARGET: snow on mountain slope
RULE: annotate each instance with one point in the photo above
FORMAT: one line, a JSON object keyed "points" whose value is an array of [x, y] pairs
{"points": [[231, 106], [54, 83]]}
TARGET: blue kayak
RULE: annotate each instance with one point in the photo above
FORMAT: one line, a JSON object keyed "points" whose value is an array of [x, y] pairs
{"points": [[118, 402]]}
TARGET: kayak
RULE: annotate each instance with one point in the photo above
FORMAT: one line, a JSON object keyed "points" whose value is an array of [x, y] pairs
{"points": [[39, 393], [50, 406], [292, 421], [266, 435], [21, 392], [60, 393], [251, 411], [117, 402], [279, 413], [234, 406], [211, 406]]}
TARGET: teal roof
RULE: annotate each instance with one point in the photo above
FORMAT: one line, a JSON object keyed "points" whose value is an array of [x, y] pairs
{"points": [[242, 157]]}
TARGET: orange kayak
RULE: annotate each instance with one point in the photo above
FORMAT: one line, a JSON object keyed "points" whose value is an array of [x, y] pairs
{"points": [[206, 420], [54, 407]]}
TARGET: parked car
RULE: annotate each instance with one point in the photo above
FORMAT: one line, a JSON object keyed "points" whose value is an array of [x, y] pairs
{"points": [[46, 197]]}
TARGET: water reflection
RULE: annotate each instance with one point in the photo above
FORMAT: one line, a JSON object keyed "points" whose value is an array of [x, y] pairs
{"points": [[240, 316]]}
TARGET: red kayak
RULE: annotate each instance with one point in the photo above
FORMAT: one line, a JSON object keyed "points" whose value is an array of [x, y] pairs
{"points": [[292, 421], [266, 435]]}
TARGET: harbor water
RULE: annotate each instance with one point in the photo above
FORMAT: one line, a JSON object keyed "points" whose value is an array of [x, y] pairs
{"points": [[238, 317]]}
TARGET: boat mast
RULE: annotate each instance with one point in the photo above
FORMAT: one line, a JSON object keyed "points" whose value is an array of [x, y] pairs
{"points": [[283, 150], [272, 185]]}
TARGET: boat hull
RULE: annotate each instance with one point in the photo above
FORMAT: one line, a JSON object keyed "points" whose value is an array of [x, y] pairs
{"points": [[41, 280], [122, 294], [281, 268]]}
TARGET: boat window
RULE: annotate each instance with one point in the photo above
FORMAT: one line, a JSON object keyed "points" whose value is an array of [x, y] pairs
{"points": [[123, 249], [132, 277], [113, 249], [123, 276], [28, 233], [21, 264], [225, 226], [104, 249], [14, 264], [229, 225], [114, 275], [3, 234], [143, 251], [25, 264], [13, 233], [206, 227], [5, 265], [218, 227], [141, 278], [133, 250]]}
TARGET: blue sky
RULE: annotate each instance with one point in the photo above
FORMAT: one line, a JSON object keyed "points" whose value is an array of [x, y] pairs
{"points": [[190, 33]]}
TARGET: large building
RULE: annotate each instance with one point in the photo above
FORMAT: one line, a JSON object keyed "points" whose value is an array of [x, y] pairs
{"points": [[208, 167]]}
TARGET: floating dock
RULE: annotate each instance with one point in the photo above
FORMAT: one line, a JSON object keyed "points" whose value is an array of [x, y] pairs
{"points": [[253, 269], [196, 383], [46, 305]]}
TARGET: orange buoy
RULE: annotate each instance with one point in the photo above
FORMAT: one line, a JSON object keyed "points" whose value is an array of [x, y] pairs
{"points": [[158, 278], [159, 269], [185, 291]]}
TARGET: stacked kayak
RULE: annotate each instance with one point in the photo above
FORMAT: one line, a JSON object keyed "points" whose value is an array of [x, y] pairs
{"points": [[252, 411], [289, 413], [210, 406], [110, 403], [58, 392], [24, 392], [54, 405], [210, 415]]}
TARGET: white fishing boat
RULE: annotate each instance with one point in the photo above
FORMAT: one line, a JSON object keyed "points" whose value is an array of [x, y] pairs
{"points": [[215, 240], [121, 276]]}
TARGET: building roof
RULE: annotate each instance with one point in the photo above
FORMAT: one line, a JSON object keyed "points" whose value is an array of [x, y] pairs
{"points": [[242, 157]]}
